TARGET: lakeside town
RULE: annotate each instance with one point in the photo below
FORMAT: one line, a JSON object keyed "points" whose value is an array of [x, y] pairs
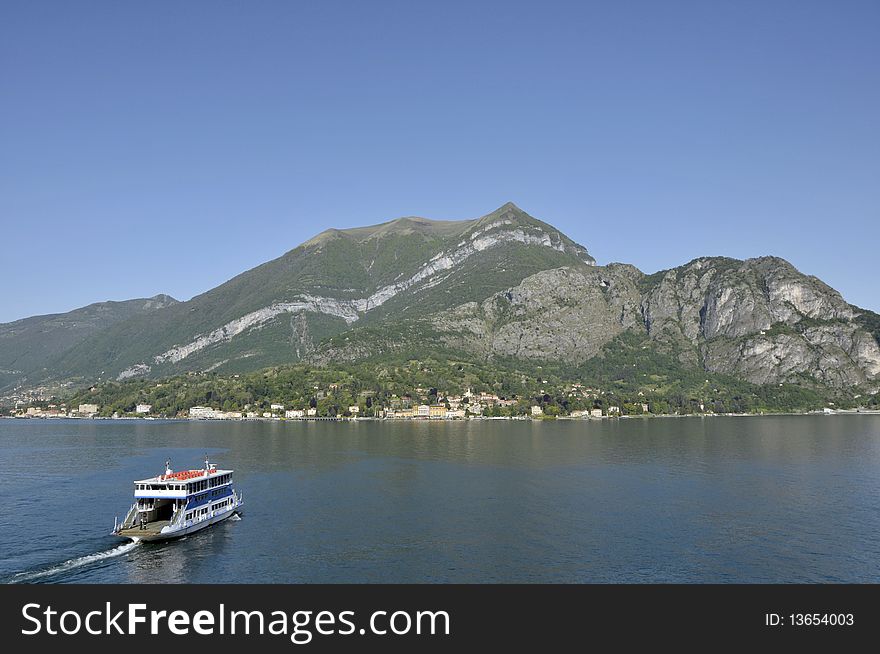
{"points": [[468, 405]]}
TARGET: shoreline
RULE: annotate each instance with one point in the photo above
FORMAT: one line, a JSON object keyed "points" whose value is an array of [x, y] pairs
{"points": [[842, 412]]}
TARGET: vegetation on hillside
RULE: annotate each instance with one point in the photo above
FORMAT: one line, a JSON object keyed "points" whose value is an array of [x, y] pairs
{"points": [[629, 375]]}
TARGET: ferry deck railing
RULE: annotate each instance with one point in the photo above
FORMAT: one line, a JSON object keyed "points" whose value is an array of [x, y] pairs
{"points": [[130, 517]]}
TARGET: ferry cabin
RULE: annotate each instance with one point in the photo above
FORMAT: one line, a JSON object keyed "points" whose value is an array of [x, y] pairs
{"points": [[197, 492]]}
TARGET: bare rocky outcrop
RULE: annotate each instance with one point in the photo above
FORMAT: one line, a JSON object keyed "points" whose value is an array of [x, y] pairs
{"points": [[760, 320], [555, 314]]}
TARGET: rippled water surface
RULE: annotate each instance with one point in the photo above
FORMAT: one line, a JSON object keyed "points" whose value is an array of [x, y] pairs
{"points": [[757, 499]]}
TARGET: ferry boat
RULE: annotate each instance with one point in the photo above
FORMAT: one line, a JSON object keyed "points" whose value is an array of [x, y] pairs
{"points": [[175, 504]]}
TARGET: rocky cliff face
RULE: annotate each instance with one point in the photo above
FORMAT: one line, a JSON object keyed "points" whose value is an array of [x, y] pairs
{"points": [[566, 313], [714, 297], [762, 320], [759, 319]]}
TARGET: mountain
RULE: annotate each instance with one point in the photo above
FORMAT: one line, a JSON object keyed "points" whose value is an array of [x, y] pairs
{"points": [[503, 287], [281, 311], [28, 345]]}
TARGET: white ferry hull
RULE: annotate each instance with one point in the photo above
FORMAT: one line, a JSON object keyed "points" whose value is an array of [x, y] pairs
{"points": [[180, 532]]}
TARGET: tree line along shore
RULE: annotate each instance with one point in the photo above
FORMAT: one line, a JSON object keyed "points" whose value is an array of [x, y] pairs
{"points": [[433, 389]]}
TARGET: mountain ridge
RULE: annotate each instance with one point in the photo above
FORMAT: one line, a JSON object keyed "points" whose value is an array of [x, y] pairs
{"points": [[504, 285], [29, 343]]}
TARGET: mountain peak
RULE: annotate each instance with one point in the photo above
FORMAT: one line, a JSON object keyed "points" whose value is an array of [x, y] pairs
{"points": [[417, 225], [510, 206]]}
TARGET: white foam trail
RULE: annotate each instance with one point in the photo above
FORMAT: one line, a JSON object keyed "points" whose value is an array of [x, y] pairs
{"points": [[72, 564], [234, 516]]}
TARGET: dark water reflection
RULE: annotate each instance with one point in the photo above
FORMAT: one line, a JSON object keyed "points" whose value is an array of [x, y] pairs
{"points": [[695, 500]]}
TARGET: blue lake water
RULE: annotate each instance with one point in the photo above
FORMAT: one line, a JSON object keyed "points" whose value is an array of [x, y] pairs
{"points": [[751, 499]]}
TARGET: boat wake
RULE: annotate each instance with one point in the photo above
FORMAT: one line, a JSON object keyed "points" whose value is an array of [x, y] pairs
{"points": [[234, 517], [72, 564]]}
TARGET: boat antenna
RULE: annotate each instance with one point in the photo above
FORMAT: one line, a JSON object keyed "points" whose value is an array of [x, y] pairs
{"points": [[207, 465], [167, 467]]}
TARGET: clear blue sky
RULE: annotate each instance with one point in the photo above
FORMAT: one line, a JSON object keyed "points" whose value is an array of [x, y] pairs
{"points": [[163, 147]]}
